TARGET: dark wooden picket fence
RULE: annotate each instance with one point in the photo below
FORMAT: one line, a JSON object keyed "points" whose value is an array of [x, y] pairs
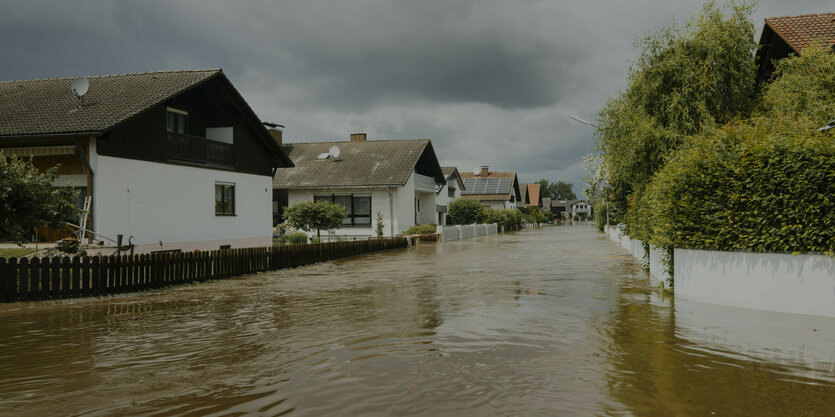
{"points": [[28, 279]]}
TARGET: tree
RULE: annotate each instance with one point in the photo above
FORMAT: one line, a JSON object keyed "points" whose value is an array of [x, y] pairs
{"points": [[556, 190], [319, 215], [465, 212], [28, 200], [688, 80]]}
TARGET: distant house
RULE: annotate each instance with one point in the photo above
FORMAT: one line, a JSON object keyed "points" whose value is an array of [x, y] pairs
{"points": [[784, 36], [400, 179], [173, 159], [523, 195], [534, 195], [495, 189], [450, 192], [570, 208]]}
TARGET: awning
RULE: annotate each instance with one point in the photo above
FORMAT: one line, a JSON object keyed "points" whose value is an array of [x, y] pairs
{"points": [[440, 209], [39, 151]]}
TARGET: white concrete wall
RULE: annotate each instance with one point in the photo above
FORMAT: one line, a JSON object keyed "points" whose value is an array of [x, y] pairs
{"points": [[171, 203], [450, 233], [427, 213], [803, 284], [658, 273], [405, 206]]}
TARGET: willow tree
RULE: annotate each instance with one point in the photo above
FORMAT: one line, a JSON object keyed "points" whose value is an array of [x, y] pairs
{"points": [[687, 80]]}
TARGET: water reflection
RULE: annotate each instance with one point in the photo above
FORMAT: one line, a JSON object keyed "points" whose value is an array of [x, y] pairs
{"points": [[557, 321]]}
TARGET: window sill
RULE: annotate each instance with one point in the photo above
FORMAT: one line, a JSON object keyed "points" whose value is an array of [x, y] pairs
{"points": [[225, 215]]}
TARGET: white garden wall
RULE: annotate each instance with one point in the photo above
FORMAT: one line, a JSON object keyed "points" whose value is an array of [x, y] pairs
{"points": [[171, 204], [803, 284]]}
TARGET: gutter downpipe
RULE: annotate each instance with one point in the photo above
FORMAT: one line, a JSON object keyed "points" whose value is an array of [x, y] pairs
{"points": [[391, 211]]}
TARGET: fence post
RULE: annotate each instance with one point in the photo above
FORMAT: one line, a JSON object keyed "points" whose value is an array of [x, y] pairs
{"points": [[85, 276], [4, 281], [76, 277], [11, 280]]}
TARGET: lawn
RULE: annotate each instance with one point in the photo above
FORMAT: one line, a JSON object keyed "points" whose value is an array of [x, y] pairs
{"points": [[15, 252]]}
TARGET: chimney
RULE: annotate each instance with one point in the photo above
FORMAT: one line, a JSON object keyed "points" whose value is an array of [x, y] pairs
{"points": [[275, 130], [484, 171], [357, 137]]}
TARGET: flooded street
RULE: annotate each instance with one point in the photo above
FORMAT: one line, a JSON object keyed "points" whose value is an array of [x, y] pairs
{"points": [[554, 321]]}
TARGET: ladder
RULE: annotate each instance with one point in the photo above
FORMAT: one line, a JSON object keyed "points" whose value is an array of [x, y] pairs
{"points": [[84, 214]]}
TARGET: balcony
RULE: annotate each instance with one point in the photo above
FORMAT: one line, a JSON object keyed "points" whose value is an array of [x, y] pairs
{"points": [[197, 150]]}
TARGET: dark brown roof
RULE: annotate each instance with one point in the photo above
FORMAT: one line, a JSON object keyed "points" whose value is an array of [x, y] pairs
{"points": [[371, 163], [800, 31], [48, 106], [533, 194]]}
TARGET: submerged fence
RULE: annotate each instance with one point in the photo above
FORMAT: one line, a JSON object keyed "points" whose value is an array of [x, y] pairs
{"points": [[47, 278]]}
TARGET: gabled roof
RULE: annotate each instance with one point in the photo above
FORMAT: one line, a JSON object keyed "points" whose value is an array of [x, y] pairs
{"points": [[801, 31], [371, 163], [48, 106], [448, 173], [534, 194], [783, 36], [496, 185], [523, 191]]}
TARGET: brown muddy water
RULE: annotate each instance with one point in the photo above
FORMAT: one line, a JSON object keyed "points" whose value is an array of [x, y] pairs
{"points": [[555, 321]]}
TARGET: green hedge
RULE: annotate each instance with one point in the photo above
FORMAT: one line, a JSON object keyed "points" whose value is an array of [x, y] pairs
{"points": [[745, 188], [422, 229]]}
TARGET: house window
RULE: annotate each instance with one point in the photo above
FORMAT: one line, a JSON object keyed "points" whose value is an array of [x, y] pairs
{"points": [[176, 121], [357, 207], [451, 192], [224, 199]]}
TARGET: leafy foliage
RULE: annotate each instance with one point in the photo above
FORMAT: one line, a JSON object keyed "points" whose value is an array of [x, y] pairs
{"points": [[28, 200], [514, 218], [556, 190], [378, 229], [296, 238], [687, 80], [496, 216], [319, 215], [535, 215], [465, 212], [745, 188], [422, 229]]}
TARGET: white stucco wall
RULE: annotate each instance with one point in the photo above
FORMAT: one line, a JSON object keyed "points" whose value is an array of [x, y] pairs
{"points": [[803, 284], [427, 213], [171, 203]]}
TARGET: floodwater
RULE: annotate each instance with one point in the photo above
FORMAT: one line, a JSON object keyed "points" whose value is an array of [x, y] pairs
{"points": [[553, 321]]}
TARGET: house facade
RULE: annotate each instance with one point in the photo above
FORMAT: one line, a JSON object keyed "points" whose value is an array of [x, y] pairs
{"points": [[399, 179], [494, 189], [450, 192], [569, 209], [169, 160]]}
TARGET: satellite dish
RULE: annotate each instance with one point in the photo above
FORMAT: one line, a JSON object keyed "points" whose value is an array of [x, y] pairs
{"points": [[477, 171], [80, 86], [334, 151]]}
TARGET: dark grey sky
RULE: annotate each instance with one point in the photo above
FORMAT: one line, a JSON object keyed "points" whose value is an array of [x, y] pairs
{"points": [[490, 82]]}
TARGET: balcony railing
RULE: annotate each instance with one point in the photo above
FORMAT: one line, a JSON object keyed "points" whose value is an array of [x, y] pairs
{"points": [[199, 150]]}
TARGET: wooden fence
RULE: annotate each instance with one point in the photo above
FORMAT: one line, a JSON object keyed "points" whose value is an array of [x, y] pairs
{"points": [[29, 279]]}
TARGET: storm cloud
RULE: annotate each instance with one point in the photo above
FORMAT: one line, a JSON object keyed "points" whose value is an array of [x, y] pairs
{"points": [[490, 82]]}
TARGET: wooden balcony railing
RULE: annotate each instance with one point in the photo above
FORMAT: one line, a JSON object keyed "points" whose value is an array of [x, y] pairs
{"points": [[199, 150]]}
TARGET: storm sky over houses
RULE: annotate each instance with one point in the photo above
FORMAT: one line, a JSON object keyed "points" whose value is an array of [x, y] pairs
{"points": [[490, 82]]}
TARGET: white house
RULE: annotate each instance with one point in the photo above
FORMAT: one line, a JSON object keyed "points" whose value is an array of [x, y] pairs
{"points": [[494, 189], [399, 179], [450, 192], [169, 160]]}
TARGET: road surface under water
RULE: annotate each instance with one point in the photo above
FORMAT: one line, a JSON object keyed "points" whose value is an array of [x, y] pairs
{"points": [[553, 321]]}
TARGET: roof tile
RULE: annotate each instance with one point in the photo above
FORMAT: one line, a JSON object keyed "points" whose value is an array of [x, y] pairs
{"points": [[800, 31]]}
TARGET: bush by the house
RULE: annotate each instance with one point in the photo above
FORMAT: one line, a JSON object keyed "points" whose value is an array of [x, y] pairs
{"points": [[514, 218], [297, 237], [421, 229], [497, 216], [465, 212], [747, 188]]}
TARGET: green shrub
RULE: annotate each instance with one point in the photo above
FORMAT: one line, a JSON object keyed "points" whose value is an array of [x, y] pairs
{"points": [[422, 229], [499, 217], [465, 212], [297, 237], [514, 218], [744, 188]]}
